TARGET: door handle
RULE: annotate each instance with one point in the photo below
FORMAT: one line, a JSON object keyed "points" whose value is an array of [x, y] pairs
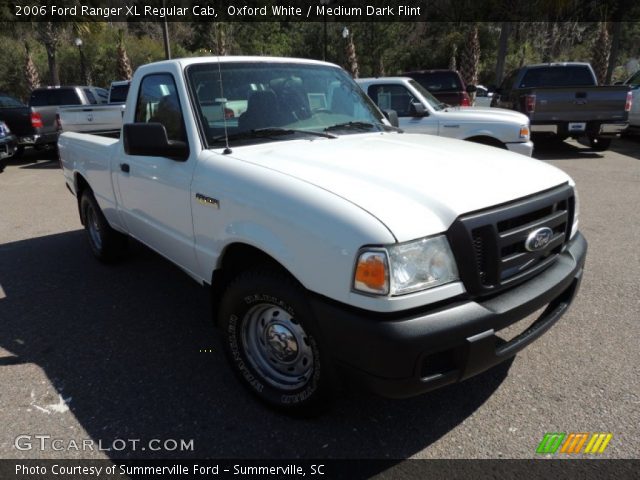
{"points": [[124, 167]]}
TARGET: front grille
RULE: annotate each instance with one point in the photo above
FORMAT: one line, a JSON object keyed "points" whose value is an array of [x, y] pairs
{"points": [[489, 245]]}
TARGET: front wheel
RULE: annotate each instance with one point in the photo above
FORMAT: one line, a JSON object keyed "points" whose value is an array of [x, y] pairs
{"points": [[273, 344], [107, 244], [599, 144]]}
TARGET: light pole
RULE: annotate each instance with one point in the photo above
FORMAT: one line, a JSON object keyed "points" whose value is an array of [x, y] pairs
{"points": [[165, 36], [83, 71], [324, 3]]}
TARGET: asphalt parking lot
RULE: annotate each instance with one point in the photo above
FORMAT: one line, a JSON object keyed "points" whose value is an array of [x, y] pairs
{"points": [[128, 351]]}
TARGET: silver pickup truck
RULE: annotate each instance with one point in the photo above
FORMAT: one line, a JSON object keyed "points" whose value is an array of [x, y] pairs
{"points": [[564, 100]]}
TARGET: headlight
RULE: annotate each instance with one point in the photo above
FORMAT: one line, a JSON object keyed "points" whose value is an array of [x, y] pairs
{"points": [[524, 131], [576, 212], [405, 268], [4, 130]]}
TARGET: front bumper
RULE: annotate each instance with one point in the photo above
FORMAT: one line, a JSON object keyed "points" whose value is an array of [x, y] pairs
{"points": [[418, 352], [524, 148]]}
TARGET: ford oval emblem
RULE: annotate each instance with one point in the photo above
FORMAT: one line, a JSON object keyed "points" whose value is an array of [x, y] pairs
{"points": [[538, 239]]}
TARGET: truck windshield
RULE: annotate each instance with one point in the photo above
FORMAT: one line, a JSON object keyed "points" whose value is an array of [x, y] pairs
{"points": [[257, 100], [560, 76], [54, 96], [433, 101]]}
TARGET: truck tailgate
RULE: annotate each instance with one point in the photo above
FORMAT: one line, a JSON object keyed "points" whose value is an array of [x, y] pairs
{"points": [[579, 104], [87, 118]]}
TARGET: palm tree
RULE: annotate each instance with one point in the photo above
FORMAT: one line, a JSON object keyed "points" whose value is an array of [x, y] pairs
{"points": [[124, 65], [30, 71], [601, 48]]}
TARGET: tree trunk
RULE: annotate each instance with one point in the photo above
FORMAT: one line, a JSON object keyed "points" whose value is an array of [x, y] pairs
{"points": [[503, 47], [613, 55], [54, 77]]}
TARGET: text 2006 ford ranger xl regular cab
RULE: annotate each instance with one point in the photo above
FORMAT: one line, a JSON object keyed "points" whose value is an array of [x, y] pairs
{"points": [[334, 242]]}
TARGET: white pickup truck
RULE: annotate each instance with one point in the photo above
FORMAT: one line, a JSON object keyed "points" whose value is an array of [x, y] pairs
{"points": [[104, 119], [333, 243], [420, 112]]}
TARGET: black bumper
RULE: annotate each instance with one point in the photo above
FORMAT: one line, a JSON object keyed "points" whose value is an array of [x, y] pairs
{"points": [[402, 356], [8, 146]]}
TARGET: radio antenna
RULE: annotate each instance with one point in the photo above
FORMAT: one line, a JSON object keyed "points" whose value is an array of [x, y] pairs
{"points": [[227, 150]]}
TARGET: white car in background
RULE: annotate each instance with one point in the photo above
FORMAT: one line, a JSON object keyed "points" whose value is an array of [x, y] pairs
{"points": [[420, 112], [482, 96]]}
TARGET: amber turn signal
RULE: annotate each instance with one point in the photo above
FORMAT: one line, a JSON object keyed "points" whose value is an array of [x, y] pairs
{"points": [[372, 273]]}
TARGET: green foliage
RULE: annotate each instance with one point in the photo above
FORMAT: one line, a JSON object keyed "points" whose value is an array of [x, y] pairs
{"points": [[381, 48]]}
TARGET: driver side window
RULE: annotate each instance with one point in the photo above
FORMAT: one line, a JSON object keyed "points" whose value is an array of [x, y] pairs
{"points": [[158, 102]]}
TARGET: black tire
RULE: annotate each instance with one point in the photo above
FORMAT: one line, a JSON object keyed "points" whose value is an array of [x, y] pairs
{"points": [[273, 344], [107, 244], [599, 144], [19, 151]]}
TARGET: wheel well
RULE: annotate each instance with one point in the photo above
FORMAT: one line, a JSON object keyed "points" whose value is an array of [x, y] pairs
{"points": [[81, 186], [484, 140], [236, 258]]}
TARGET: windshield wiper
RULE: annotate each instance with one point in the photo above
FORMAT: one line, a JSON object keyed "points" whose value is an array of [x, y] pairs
{"points": [[350, 126], [270, 132]]}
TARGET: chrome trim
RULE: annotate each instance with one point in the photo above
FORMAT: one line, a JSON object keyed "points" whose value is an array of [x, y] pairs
{"points": [[613, 127], [544, 128]]}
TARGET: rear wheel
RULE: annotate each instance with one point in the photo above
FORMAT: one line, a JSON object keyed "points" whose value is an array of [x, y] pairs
{"points": [[273, 344], [599, 144], [106, 243]]}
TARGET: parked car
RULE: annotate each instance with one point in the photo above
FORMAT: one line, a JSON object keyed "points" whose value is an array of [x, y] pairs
{"points": [[420, 112], [446, 85], [19, 119], [564, 100], [483, 96], [634, 111], [8, 142], [45, 103], [332, 242]]}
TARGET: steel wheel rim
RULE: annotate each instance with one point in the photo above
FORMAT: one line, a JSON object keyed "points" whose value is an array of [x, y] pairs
{"points": [[277, 346], [94, 228]]}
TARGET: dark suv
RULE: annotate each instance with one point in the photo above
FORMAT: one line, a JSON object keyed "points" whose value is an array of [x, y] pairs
{"points": [[446, 85]]}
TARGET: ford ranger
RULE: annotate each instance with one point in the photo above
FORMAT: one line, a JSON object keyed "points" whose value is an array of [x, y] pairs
{"points": [[333, 243], [420, 112]]}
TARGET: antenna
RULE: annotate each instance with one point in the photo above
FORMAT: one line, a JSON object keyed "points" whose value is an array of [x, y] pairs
{"points": [[227, 150]]}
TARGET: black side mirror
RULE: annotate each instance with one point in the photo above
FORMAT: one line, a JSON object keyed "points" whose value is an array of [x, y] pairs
{"points": [[392, 116], [416, 109], [151, 139], [471, 88]]}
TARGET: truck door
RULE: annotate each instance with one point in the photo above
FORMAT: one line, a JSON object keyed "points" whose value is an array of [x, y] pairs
{"points": [[400, 99], [155, 191]]}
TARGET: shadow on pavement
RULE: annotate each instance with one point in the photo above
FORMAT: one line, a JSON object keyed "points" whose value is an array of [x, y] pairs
{"points": [[547, 149], [34, 159], [629, 145], [124, 343]]}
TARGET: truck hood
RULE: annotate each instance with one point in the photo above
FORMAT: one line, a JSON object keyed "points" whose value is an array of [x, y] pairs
{"points": [[484, 114], [414, 184]]}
